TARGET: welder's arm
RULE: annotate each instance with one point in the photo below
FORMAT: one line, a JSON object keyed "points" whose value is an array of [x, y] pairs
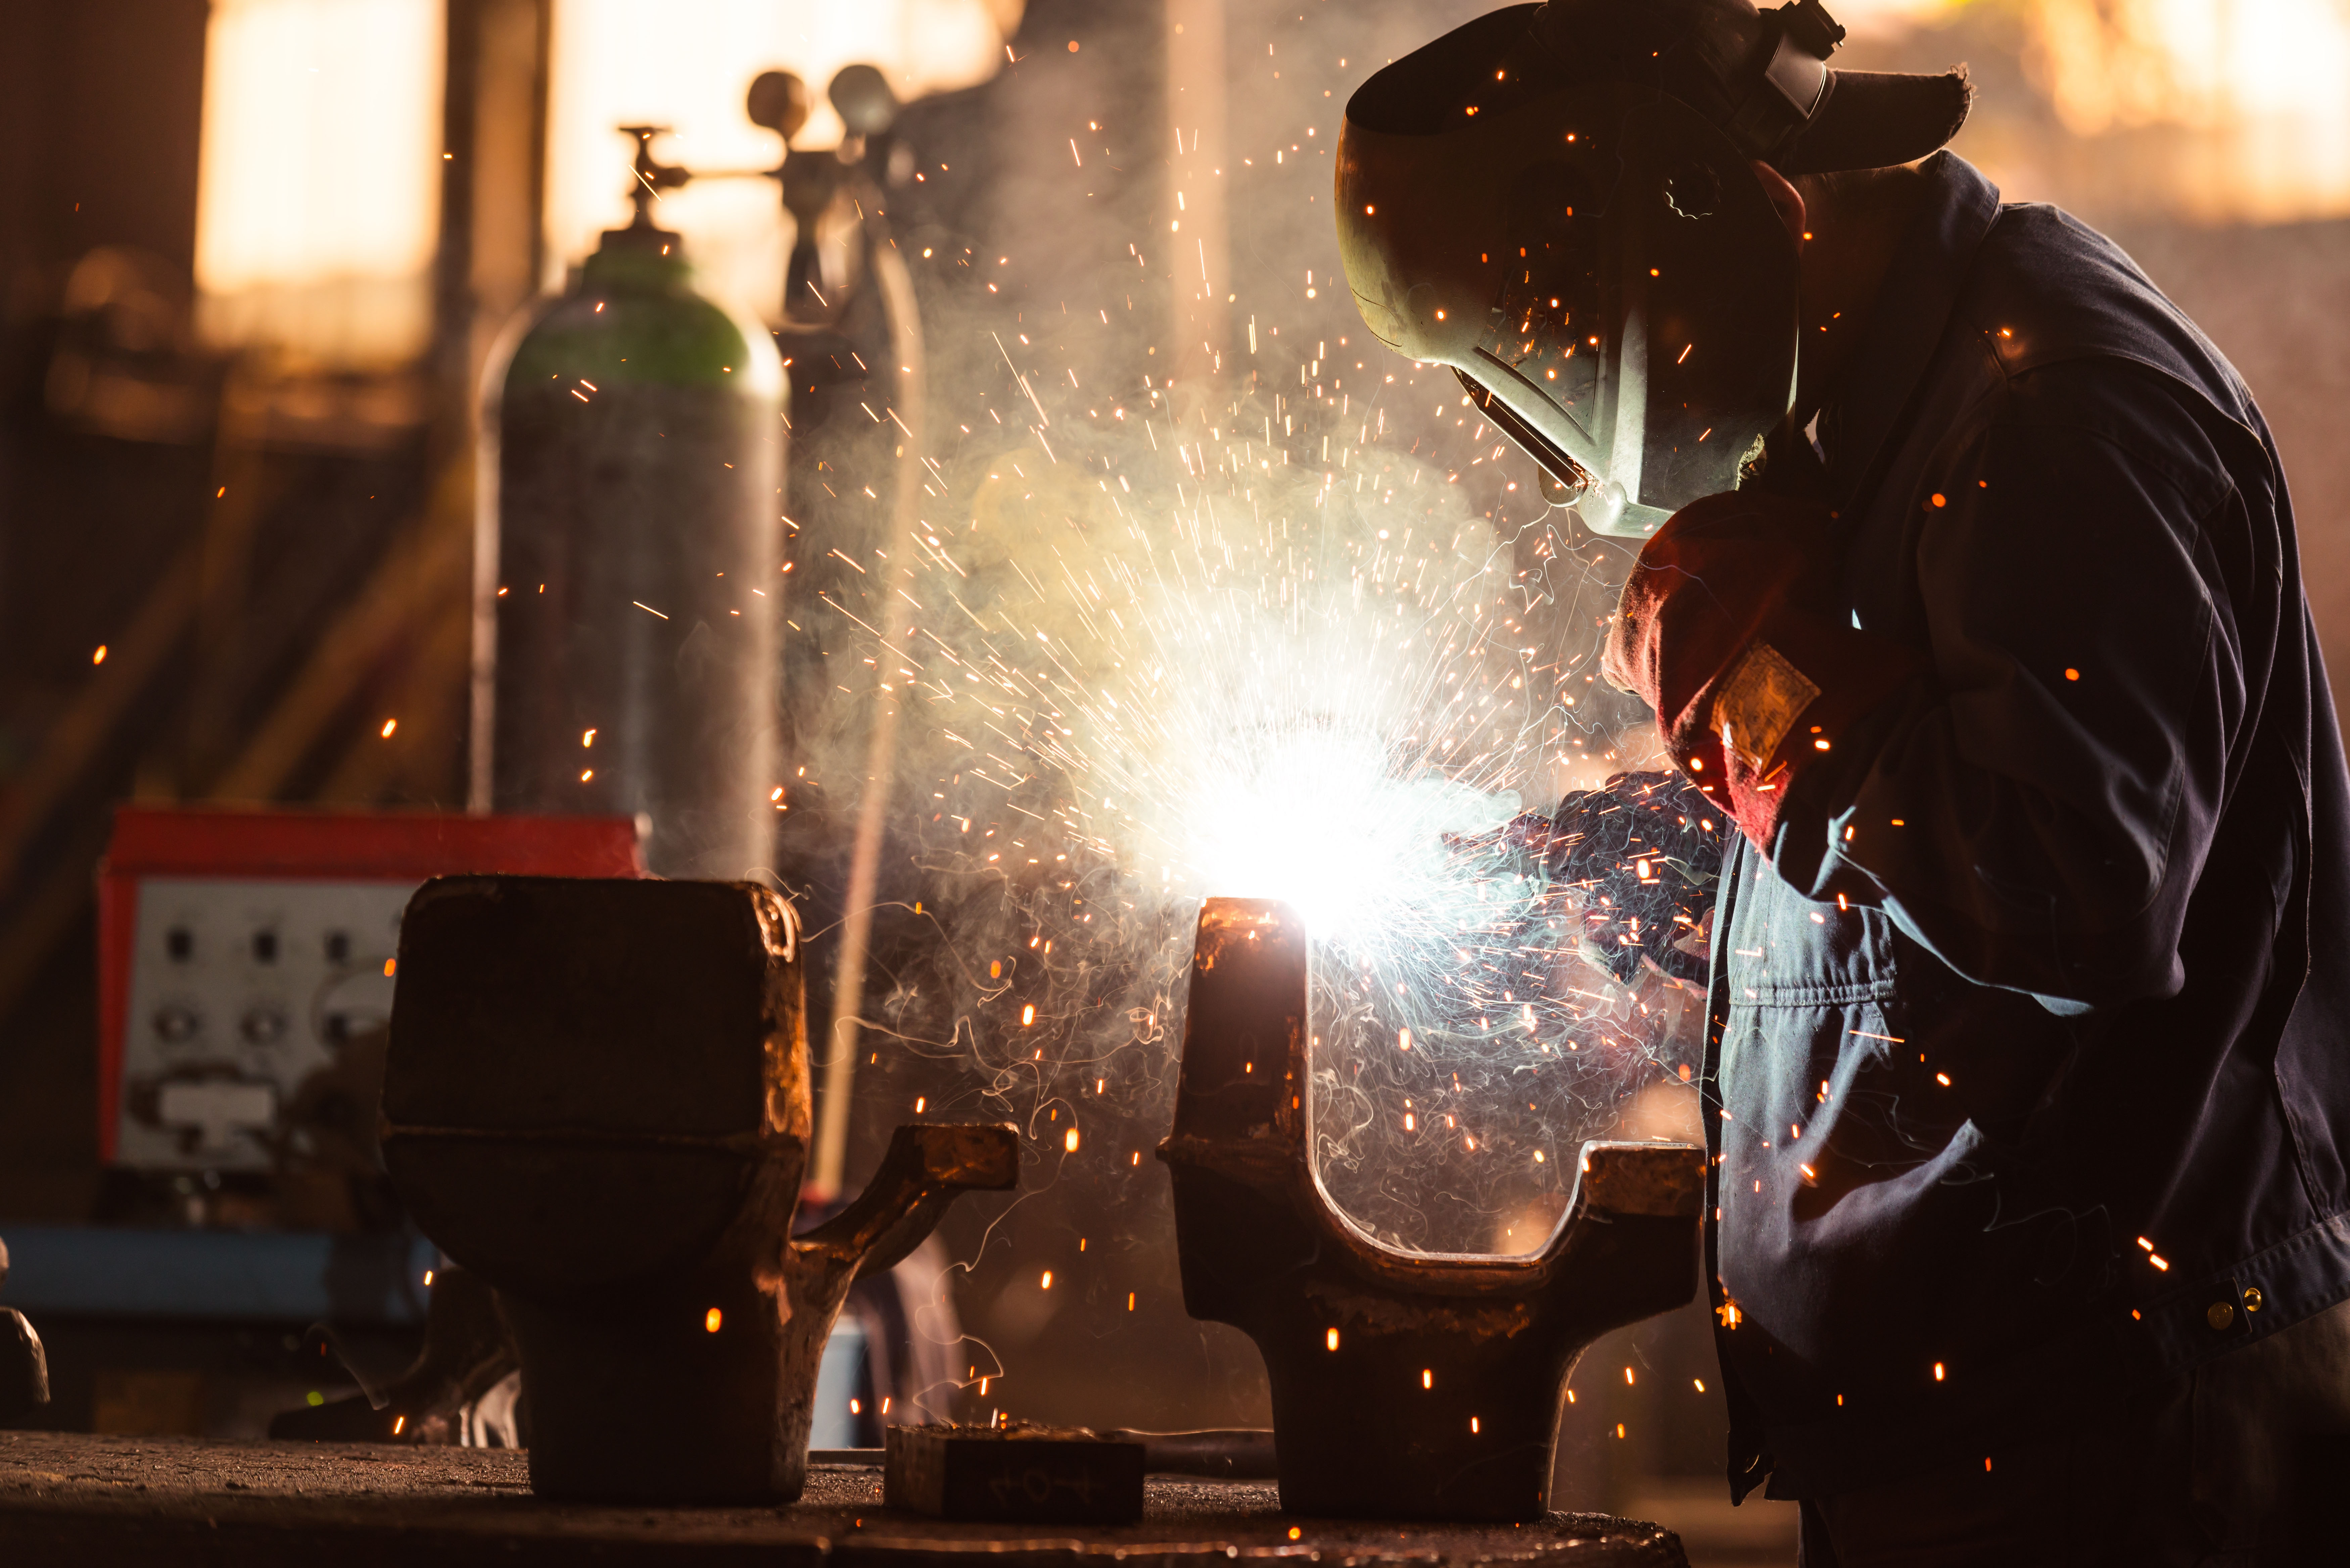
{"points": [[2037, 805], [2059, 782], [1726, 628]]}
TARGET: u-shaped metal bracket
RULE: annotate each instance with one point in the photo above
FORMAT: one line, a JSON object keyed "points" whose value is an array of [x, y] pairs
{"points": [[1404, 1386]]}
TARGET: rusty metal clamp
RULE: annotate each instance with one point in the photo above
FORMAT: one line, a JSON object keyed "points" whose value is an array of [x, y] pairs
{"points": [[1404, 1386]]}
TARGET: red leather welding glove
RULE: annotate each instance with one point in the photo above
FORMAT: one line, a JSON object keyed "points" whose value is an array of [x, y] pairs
{"points": [[1728, 630]]}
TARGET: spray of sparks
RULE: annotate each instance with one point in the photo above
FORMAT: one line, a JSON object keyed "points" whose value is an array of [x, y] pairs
{"points": [[1292, 622], [1160, 658]]}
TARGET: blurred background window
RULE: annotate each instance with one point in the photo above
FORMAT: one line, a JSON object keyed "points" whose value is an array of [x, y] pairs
{"points": [[2205, 112], [318, 189], [686, 66], [2263, 84]]}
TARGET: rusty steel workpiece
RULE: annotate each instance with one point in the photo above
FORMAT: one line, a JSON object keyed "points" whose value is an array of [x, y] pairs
{"points": [[1404, 1386], [595, 1100]]}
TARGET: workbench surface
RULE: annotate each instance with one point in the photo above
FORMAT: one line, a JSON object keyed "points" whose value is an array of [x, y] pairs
{"points": [[84, 1501]]}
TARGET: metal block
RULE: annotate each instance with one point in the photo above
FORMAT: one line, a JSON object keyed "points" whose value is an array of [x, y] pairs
{"points": [[595, 1100], [1018, 1473]]}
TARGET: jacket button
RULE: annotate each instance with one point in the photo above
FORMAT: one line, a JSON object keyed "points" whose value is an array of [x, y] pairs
{"points": [[2253, 1299], [2219, 1314]]}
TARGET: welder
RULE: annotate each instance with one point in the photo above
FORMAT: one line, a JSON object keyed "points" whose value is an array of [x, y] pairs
{"points": [[1969, 595]]}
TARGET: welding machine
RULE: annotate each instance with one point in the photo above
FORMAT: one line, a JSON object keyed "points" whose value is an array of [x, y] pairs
{"points": [[242, 952]]}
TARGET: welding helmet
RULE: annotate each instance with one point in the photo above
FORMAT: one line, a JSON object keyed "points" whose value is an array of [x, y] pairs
{"points": [[1558, 202]]}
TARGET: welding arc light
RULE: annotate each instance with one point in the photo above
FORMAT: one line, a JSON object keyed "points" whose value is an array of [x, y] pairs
{"points": [[1265, 798]]}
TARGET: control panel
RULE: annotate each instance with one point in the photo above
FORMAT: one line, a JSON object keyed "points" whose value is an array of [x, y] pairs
{"points": [[242, 992], [244, 957]]}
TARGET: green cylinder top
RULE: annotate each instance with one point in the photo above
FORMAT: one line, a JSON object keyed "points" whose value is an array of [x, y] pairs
{"points": [[634, 317]]}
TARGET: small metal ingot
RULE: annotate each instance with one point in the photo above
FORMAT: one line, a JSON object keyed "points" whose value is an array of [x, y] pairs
{"points": [[1018, 1473], [595, 1099], [1404, 1386]]}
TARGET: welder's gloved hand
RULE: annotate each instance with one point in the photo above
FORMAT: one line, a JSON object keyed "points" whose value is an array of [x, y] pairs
{"points": [[1635, 816], [1643, 852], [1635, 861], [1728, 630]]}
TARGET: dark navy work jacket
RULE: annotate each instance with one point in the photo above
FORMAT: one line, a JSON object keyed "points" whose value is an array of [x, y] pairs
{"points": [[2028, 1070]]}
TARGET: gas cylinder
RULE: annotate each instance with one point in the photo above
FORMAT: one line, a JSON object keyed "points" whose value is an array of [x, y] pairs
{"points": [[627, 559]]}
